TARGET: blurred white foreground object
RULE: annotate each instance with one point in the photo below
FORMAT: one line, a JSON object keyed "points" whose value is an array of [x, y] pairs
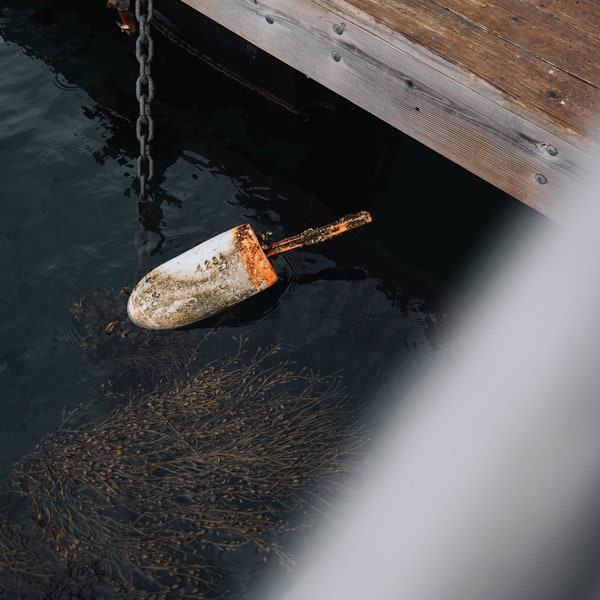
{"points": [[487, 483]]}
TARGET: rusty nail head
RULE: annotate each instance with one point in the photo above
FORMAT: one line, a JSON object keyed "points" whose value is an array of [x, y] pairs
{"points": [[541, 179]]}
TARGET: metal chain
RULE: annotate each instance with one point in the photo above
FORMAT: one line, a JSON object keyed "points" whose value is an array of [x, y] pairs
{"points": [[144, 92]]}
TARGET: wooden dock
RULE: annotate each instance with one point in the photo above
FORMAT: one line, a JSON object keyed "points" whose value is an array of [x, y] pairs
{"points": [[508, 89]]}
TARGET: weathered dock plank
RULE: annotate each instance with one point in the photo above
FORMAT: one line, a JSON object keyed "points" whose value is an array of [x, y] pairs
{"points": [[508, 89]]}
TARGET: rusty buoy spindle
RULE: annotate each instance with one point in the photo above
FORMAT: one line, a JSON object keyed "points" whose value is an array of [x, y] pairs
{"points": [[219, 273]]}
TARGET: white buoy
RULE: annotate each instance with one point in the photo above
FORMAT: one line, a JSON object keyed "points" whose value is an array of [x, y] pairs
{"points": [[218, 273]]}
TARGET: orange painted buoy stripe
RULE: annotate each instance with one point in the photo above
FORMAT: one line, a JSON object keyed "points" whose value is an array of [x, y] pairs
{"points": [[259, 268]]}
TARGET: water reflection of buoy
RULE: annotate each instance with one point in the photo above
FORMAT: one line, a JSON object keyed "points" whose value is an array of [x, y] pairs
{"points": [[219, 273]]}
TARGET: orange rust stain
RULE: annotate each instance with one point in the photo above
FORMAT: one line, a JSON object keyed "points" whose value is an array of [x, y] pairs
{"points": [[259, 268], [320, 234]]}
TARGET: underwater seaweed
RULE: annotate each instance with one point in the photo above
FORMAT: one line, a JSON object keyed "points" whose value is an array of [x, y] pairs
{"points": [[127, 355], [143, 501]]}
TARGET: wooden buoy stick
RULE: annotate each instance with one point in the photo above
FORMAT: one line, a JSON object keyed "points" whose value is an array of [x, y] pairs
{"points": [[318, 234]]}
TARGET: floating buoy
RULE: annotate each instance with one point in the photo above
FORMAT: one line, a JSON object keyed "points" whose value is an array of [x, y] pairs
{"points": [[218, 273]]}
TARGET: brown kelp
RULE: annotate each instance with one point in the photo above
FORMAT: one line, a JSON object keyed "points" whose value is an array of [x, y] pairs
{"points": [[145, 500], [127, 355]]}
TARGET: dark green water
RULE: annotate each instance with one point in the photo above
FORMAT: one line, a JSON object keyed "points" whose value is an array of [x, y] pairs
{"points": [[369, 305]]}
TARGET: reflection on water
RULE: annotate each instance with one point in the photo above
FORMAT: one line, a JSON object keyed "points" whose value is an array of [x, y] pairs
{"points": [[354, 306]]}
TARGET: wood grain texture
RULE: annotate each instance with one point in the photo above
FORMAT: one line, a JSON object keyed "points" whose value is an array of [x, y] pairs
{"points": [[486, 84], [544, 64], [581, 14], [539, 34]]}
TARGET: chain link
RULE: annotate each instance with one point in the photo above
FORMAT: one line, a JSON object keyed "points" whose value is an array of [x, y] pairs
{"points": [[144, 92]]}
